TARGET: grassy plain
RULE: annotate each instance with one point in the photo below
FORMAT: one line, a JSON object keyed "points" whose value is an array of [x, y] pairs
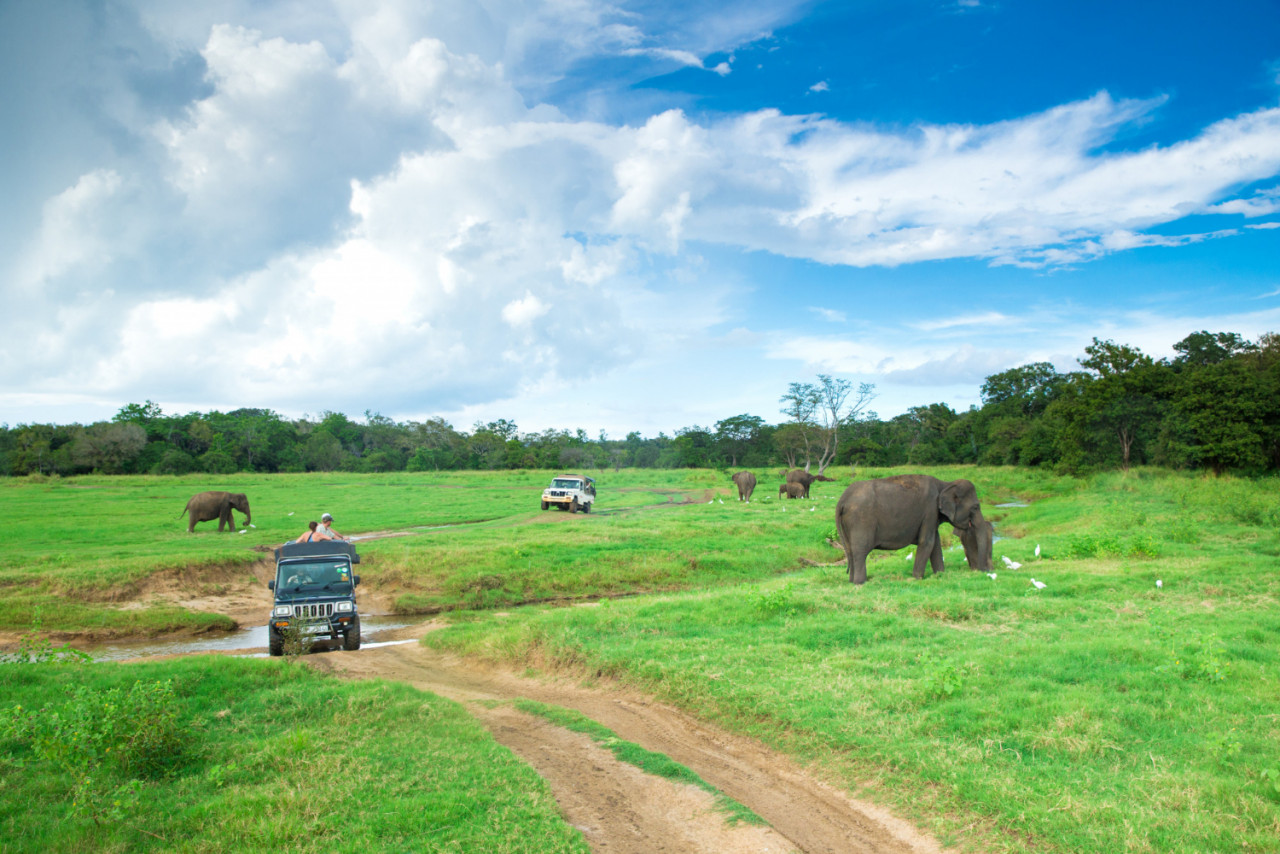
{"points": [[1100, 713], [278, 758]]}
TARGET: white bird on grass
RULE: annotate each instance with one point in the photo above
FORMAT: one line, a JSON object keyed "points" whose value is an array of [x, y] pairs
{"points": [[811, 509], [721, 500], [911, 555], [290, 514], [1012, 564], [244, 530], [712, 501], [1037, 550], [1159, 583], [251, 525], [1039, 585], [991, 575]]}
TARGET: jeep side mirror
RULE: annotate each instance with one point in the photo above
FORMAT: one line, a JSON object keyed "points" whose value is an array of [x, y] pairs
{"points": [[355, 579], [271, 585]]}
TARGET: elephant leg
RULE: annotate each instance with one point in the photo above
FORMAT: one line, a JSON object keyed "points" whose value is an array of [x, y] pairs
{"points": [[935, 555], [858, 569], [925, 544], [855, 555]]}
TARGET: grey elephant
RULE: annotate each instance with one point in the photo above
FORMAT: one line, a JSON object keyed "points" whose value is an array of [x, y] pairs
{"points": [[978, 540], [895, 512], [746, 482], [802, 477], [206, 506], [791, 490]]}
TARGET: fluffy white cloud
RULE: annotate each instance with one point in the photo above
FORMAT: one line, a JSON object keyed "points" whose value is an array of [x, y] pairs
{"points": [[374, 201]]}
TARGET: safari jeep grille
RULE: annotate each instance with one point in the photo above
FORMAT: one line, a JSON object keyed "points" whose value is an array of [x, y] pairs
{"points": [[313, 612]]}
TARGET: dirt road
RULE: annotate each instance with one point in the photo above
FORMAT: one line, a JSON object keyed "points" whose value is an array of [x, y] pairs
{"points": [[621, 809]]}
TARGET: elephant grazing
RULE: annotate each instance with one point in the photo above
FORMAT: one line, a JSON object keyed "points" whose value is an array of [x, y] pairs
{"points": [[895, 512], [791, 490], [206, 506], [746, 482], [802, 477]]}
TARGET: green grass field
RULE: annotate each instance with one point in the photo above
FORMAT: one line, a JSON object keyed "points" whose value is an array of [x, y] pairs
{"points": [[1101, 713]]}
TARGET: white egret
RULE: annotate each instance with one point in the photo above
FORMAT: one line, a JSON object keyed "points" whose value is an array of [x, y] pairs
{"points": [[1039, 585]]}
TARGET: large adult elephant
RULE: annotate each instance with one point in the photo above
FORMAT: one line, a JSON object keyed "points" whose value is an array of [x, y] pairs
{"points": [[895, 512], [206, 506], [805, 479], [746, 482], [791, 490], [978, 540]]}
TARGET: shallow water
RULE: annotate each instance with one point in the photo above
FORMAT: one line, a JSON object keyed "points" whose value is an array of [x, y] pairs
{"points": [[1014, 504], [253, 640]]}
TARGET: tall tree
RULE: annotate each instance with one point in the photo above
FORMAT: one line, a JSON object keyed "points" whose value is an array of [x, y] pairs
{"points": [[818, 409]]}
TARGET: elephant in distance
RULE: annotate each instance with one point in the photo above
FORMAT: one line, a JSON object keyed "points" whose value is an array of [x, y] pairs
{"points": [[791, 490], [746, 482], [895, 512], [802, 477], [207, 506]]}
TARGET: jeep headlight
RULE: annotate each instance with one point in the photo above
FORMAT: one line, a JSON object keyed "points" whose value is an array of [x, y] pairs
{"points": [[344, 607], [282, 611]]}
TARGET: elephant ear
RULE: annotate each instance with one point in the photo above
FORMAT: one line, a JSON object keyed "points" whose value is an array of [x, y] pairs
{"points": [[948, 501]]}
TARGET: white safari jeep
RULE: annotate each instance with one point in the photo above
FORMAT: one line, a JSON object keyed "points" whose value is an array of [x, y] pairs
{"points": [[572, 492]]}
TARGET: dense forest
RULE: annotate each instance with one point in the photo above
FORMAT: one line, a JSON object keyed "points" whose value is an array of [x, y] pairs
{"points": [[1215, 405]]}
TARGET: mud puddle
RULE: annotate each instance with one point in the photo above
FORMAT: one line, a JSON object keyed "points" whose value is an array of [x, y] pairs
{"points": [[374, 631]]}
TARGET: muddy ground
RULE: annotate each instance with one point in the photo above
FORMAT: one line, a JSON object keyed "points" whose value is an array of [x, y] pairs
{"points": [[621, 809]]}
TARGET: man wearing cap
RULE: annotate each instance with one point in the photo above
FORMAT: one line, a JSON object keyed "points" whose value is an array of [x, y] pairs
{"points": [[325, 531]]}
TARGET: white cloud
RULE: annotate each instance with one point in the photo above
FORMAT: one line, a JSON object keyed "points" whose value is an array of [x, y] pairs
{"points": [[74, 230], [986, 319], [829, 314], [524, 311], [372, 200], [820, 86]]}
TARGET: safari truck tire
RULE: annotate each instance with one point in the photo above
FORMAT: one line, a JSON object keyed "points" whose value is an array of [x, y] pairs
{"points": [[351, 638]]}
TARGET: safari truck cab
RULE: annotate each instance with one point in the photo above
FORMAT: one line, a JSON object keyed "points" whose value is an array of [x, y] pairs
{"points": [[315, 593], [572, 492]]}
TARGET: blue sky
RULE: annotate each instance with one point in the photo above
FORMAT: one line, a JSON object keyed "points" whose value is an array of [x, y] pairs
{"points": [[618, 216]]}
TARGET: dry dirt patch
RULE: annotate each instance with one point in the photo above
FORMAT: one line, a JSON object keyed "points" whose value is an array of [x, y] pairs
{"points": [[620, 809]]}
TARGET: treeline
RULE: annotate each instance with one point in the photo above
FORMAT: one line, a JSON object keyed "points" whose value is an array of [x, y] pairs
{"points": [[1215, 405]]}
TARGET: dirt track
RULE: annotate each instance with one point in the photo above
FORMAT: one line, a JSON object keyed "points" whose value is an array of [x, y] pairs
{"points": [[621, 809]]}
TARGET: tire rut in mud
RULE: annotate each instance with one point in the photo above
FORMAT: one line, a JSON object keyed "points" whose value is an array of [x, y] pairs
{"points": [[621, 809]]}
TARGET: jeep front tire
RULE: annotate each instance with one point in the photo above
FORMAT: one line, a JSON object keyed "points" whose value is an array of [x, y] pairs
{"points": [[351, 637]]}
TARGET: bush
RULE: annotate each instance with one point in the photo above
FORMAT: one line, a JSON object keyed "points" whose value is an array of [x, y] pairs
{"points": [[105, 741]]}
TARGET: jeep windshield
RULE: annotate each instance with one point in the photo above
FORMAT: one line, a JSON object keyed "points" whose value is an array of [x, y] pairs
{"points": [[312, 576], [566, 483]]}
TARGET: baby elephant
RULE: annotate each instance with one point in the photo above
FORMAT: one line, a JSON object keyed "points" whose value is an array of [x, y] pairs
{"points": [[791, 490], [206, 506]]}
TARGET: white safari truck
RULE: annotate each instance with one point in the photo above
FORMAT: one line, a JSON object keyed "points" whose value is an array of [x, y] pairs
{"points": [[572, 492]]}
